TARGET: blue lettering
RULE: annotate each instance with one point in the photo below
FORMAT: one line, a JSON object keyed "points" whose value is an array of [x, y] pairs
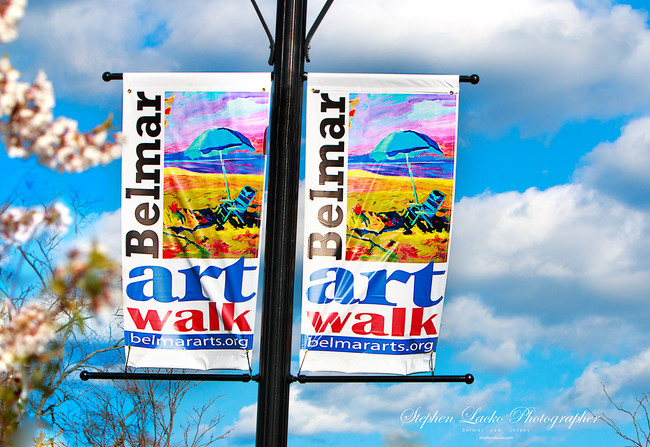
{"points": [[162, 283], [343, 287], [235, 282], [377, 288], [343, 283]]}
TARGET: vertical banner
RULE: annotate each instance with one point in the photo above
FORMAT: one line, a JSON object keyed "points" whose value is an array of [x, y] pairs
{"points": [[192, 187], [379, 189]]}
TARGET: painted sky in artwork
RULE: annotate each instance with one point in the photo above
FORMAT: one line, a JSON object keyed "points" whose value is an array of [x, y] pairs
{"points": [[190, 113], [374, 116]]}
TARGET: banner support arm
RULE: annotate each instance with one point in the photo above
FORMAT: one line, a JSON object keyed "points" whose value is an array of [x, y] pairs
{"points": [[301, 378], [471, 79], [98, 375], [474, 79]]}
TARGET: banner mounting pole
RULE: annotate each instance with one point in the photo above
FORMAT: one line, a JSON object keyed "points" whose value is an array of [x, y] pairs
{"points": [[280, 247]]}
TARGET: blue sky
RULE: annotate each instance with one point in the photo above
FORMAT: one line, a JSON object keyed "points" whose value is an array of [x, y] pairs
{"points": [[549, 266]]}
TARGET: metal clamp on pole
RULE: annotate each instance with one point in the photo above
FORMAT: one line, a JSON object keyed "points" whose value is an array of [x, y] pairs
{"points": [[87, 375], [467, 378]]}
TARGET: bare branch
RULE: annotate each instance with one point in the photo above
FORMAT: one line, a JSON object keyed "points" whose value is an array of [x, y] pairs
{"points": [[640, 422]]}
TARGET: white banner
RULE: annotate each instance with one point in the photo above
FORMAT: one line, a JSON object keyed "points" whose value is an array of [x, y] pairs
{"points": [[192, 188], [379, 190]]}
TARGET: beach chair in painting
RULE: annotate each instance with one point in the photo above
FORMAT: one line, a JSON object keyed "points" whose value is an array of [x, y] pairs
{"points": [[236, 208], [424, 212], [243, 201]]}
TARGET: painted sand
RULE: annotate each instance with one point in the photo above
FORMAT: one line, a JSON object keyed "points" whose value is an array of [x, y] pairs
{"points": [[187, 232], [369, 195]]}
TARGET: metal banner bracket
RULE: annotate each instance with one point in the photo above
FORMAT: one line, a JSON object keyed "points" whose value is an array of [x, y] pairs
{"points": [[268, 33], [315, 26]]}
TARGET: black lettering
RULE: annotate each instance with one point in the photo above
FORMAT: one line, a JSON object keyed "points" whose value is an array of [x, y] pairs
{"points": [[323, 249], [143, 102], [329, 104], [325, 216], [327, 163], [142, 214], [142, 161], [336, 125], [140, 239], [153, 192], [152, 123], [338, 194]]}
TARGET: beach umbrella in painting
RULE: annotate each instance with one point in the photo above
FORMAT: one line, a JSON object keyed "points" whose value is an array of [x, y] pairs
{"points": [[400, 144], [221, 140]]}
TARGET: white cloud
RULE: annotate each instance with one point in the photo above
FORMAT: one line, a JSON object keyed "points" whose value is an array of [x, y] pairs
{"points": [[567, 234], [369, 408], [498, 342], [490, 338], [498, 358], [84, 39], [621, 168], [621, 380], [565, 254], [308, 417], [542, 63], [466, 317]]}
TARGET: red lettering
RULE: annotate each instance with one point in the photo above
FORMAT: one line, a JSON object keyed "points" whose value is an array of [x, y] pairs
{"points": [[195, 319], [417, 324], [229, 319], [399, 321], [376, 323], [213, 316], [152, 318], [333, 320]]}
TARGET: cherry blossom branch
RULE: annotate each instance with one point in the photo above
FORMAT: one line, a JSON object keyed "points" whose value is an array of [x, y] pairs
{"points": [[29, 128]]}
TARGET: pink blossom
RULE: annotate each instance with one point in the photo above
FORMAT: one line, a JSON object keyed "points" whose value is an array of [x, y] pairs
{"points": [[19, 225], [24, 334], [29, 127], [11, 11]]}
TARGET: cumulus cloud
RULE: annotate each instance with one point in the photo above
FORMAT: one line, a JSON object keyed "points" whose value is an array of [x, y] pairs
{"points": [[621, 380], [244, 425], [85, 39], [620, 168], [553, 262], [498, 342], [490, 338], [497, 358], [568, 237], [369, 408], [566, 253], [542, 63]]}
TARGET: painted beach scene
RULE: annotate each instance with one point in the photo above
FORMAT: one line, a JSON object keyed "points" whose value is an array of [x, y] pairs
{"points": [[400, 177], [214, 165]]}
